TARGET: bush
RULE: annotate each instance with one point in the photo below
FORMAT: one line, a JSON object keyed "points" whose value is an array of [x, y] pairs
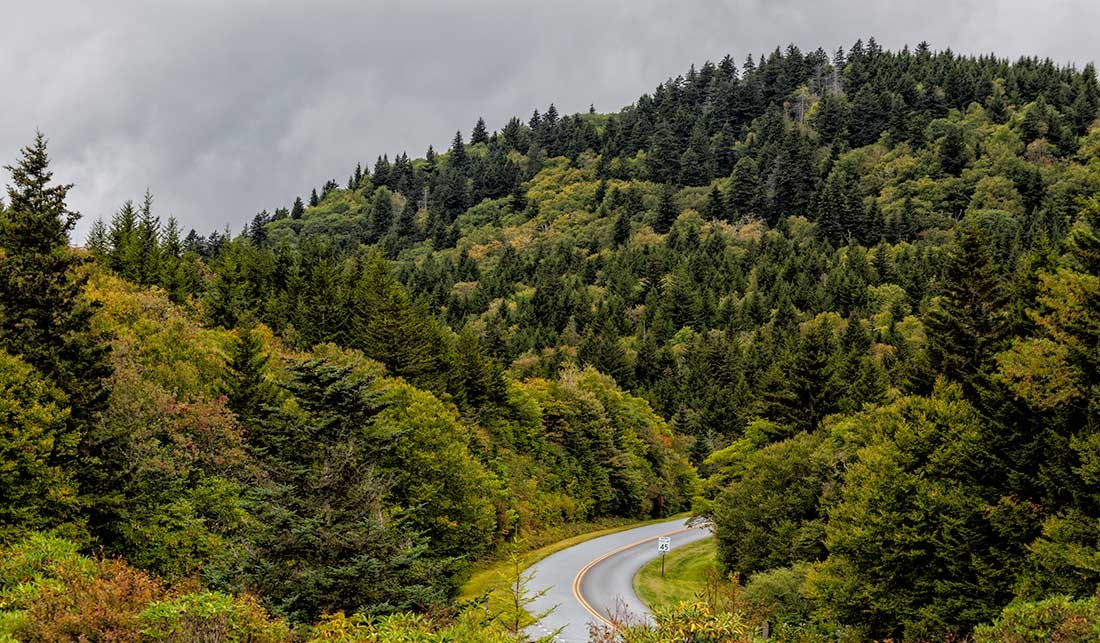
{"points": [[1058, 618], [413, 628], [100, 607], [37, 563], [50, 592], [211, 616], [695, 622], [777, 594]]}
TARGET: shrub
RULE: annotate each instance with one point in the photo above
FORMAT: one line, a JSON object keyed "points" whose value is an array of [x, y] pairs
{"points": [[211, 616], [1058, 618], [99, 607]]}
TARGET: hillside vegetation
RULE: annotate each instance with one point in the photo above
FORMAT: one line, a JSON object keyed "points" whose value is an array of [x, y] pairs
{"points": [[844, 305]]}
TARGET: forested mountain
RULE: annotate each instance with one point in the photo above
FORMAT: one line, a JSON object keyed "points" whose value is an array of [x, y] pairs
{"points": [[855, 292]]}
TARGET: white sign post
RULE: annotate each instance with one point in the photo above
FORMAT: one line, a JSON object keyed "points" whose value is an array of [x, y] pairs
{"points": [[664, 543]]}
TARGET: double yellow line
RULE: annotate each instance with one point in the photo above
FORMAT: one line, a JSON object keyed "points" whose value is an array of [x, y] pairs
{"points": [[580, 575]]}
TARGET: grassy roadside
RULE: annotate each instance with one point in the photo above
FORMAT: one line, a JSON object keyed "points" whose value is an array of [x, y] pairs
{"points": [[488, 576], [686, 570]]}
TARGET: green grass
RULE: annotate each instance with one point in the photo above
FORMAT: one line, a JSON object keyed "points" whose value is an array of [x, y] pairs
{"points": [[686, 570], [488, 578]]}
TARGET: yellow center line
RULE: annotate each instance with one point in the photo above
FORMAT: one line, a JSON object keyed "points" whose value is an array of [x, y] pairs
{"points": [[580, 575]]}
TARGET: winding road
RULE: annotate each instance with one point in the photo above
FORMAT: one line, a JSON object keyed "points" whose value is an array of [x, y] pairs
{"points": [[587, 581]]}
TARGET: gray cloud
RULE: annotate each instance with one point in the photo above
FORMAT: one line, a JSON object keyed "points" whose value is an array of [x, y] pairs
{"points": [[225, 108]]}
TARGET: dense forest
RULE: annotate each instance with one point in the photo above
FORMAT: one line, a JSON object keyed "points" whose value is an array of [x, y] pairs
{"points": [[842, 305]]}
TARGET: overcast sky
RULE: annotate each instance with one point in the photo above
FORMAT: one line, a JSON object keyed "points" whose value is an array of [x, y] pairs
{"points": [[223, 108]]}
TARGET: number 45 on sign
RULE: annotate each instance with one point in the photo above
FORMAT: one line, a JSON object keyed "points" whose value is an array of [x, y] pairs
{"points": [[664, 543]]}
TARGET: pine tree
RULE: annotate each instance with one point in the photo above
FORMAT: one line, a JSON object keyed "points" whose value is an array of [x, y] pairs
{"points": [[480, 133], [257, 229], [667, 209], [621, 232], [389, 327], [715, 208], [952, 151], [44, 317], [381, 215], [323, 539], [741, 198], [383, 172], [457, 158], [249, 390], [147, 240], [122, 238], [601, 193], [695, 162], [298, 209], [406, 223], [313, 199], [664, 155], [970, 324], [98, 241], [170, 239]]}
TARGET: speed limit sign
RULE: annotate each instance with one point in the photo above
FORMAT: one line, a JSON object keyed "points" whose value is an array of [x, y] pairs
{"points": [[664, 543]]}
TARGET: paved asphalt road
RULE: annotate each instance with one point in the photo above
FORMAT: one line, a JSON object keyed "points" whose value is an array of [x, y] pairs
{"points": [[604, 583]]}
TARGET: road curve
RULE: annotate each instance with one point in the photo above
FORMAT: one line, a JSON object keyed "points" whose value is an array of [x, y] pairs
{"points": [[596, 575]]}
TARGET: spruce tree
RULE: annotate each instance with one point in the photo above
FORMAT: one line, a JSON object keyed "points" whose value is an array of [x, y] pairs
{"points": [[621, 232], [715, 207], [249, 391], [480, 133], [98, 241], [406, 223], [44, 318], [147, 239], [741, 198], [381, 215], [664, 155], [952, 151], [456, 156], [298, 209], [695, 162], [970, 323], [122, 238], [667, 209]]}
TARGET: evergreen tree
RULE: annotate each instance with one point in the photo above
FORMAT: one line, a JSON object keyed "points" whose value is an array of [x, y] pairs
{"points": [[394, 330], [250, 391], [298, 209], [381, 215], [741, 198], [457, 158], [44, 317], [621, 233], [480, 133], [952, 151], [148, 242], [323, 540], [406, 223], [664, 155], [170, 242], [715, 208], [667, 209], [98, 241], [125, 257], [970, 323], [695, 162]]}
